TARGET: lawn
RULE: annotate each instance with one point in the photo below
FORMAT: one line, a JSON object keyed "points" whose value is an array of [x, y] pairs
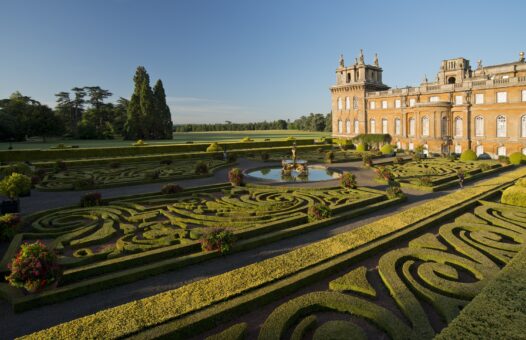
{"points": [[179, 137]]}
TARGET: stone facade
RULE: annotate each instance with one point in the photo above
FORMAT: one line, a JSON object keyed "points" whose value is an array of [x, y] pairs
{"points": [[482, 109]]}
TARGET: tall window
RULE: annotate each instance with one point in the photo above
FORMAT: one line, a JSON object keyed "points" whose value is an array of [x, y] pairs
{"points": [[501, 151], [479, 98], [384, 104], [458, 100], [443, 127], [348, 126], [412, 127], [523, 126], [398, 127], [372, 125], [458, 127], [398, 103], [479, 126], [434, 99], [384, 125], [373, 105], [501, 126], [356, 127], [347, 103], [340, 126], [340, 105], [355, 102], [412, 102], [425, 126], [502, 97], [524, 95]]}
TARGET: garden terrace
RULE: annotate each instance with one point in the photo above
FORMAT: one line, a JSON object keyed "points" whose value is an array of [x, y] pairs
{"points": [[133, 237], [453, 247], [432, 174], [313, 155]]}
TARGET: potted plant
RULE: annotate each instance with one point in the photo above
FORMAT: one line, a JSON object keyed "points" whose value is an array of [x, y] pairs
{"points": [[235, 177], [219, 239], [34, 268], [14, 186]]}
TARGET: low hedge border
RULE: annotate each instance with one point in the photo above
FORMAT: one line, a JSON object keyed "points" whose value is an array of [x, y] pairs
{"points": [[180, 311], [498, 311], [63, 154], [132, 267]]}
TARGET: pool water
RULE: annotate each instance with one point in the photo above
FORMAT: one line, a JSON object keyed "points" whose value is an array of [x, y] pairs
{"points": [[274, 174]]}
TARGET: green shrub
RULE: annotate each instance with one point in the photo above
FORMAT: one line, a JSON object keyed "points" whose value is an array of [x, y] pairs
{"points": [[367, 160], [91, 199], [9, 224], [19, 167], [504, 159], [348, 180], [521, 182], [394, 190], [344, 143], [247, 139], [201, 168], [318, 212], [514, 195], [15, 185], [484, 166], [361, 147], [387, 149], [329, 157], [139, 142], [517, 158], [235, 177], [214, 147], [219, 239], [34, 267], [468, 155], [289, 138]]}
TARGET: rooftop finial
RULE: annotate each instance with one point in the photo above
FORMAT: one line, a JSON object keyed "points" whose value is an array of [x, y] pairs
{"points": [[425, 79], [361, 57], [521, 56], [342, 62], [479, 64], [376, 63]]}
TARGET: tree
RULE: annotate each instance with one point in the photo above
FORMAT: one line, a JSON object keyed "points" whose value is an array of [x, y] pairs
{"points": [[65, 109], [45, 123], [165, 127], [78, 107], [134, 121]]}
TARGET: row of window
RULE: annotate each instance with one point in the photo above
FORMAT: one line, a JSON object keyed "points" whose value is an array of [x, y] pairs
{"points": [[501, 97], [457, 127]]}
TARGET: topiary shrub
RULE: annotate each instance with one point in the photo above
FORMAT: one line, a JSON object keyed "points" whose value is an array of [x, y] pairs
{"points": [[171, 189], [219, 239], [361, 147], [235, 177], [247, 139], [516, 158], [484, 167], [91, 199], [318, 212], [201, 168], [34, 268], [329, 157], [394, 190], [214, 147], [387, 149], [468, 155], [504, 160], [15, 185], [21, 168], [514, 195], [484, 156], [367, 160], [348, 180], [139, 142], [9, 224]]}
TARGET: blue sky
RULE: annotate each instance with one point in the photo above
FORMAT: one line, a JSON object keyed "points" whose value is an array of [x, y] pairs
{"points": [[242, 60]]}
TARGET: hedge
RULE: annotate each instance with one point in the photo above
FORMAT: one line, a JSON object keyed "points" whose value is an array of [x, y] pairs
{"points": [[135, 316], [498, 312], [65, 154], [514, 195], [517, 158], [468, 155]]}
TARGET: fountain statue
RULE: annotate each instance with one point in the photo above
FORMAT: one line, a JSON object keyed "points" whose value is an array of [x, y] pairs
{"points": [[294, 164]]}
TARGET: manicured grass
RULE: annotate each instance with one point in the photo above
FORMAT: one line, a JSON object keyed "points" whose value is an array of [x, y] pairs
{"points": [[202, 304], [179, 137]]}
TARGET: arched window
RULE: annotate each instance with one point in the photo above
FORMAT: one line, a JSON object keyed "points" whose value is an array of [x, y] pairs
{"points": [[412, 127], [523, 126], [398, 126], [501, 126], [347, 103], [356, 127], [458, 127], [340, 126], [479, 126], [384, 125], [348, 126], [372, 125], [340, 104], [425, 126], [348, 77], [355, 102]]}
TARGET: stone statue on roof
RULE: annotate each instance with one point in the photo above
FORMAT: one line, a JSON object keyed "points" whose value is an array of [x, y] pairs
{"points": [[521, 57], [342, 62], [376, 63], [362, 59]]}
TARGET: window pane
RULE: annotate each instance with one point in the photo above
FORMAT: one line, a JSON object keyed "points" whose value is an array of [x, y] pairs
{"points": [[502, 97]]}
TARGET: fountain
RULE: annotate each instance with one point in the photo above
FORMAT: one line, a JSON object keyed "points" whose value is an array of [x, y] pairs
{"points": [[294, 164]]}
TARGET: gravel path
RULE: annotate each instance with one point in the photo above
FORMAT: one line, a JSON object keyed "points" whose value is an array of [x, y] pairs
{"points": [[13, 325]]}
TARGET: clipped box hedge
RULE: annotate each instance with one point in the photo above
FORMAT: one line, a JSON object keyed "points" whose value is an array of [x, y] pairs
{"points": [[133, 317]]}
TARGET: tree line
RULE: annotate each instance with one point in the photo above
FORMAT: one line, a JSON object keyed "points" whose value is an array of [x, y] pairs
{"points": [[84, 113], [312, 122]]}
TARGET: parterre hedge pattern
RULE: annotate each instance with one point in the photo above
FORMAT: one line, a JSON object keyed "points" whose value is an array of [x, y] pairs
{"points": [[444, 271], [123, 174]]}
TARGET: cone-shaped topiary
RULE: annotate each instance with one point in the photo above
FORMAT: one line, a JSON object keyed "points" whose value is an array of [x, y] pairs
{"points": [[387, 149], [361, 147], [468, 155], [516, 158]]}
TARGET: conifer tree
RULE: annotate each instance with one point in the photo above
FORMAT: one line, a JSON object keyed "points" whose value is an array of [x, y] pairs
{"points": [[164, 123], [134, 122]]}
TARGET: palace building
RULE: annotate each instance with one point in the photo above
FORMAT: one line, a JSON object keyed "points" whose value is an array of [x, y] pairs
{"points": [[483, 109]]}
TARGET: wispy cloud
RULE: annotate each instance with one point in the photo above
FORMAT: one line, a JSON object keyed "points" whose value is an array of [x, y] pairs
{"points": [[205, 110]]}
